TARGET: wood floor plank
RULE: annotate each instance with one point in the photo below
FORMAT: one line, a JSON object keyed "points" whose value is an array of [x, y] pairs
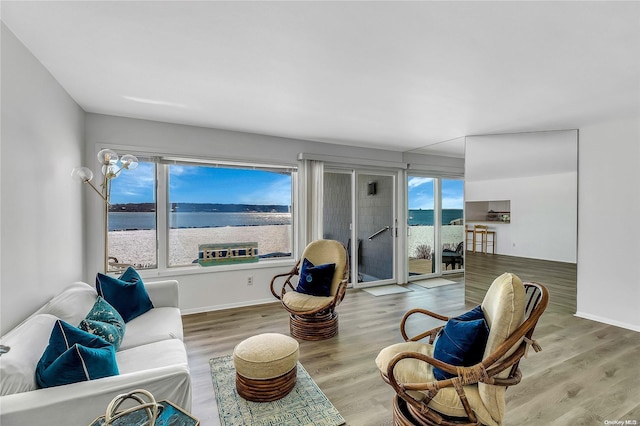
{"points": [[559, 277]]}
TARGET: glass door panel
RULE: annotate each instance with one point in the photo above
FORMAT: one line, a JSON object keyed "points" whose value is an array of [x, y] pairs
{"points": [[452, 232], [375, 230], [421, 230], [337, 212]]}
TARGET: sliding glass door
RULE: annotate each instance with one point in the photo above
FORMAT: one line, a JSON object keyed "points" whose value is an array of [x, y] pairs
{"points": [[359, 211], [452, 230], [375, 196], [421, 230], [435, 236]]}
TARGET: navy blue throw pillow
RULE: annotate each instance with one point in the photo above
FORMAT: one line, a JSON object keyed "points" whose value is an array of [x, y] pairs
{"points": [[127, 293], [316, 280], [461, 342], [73, 355], [474, 314]]}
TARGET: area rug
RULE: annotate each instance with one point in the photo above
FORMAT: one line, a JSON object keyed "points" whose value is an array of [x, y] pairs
{"points": [[383, 290], [433, 282], [305, 405]]}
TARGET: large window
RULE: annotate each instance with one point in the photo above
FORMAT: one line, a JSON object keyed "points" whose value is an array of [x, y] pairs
{"points": [[219, 205], [203, 203]]}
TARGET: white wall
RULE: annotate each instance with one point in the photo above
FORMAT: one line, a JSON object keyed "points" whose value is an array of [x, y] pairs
{"points": [[537, 172], [224, 287], [543, 215], [609, 207], [41, 222]]}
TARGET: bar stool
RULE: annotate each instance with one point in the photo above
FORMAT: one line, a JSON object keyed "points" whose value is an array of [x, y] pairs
{"points": [[468, 239], [483, 232]]}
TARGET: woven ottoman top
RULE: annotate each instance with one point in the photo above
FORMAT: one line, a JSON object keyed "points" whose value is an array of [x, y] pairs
{"points": [[265, 356]]}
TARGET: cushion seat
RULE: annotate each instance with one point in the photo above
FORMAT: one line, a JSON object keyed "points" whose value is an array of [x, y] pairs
{"points": [[322, 275], [304, 302], [160, 323], [503, 312], [266, 366], [145, 357], [447, 400], [265, 356]]}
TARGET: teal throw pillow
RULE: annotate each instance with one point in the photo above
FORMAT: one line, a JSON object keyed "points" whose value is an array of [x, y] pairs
{"points": [[103, 320], [73, 355], [316, 280], [461, 342], [127, 293]]}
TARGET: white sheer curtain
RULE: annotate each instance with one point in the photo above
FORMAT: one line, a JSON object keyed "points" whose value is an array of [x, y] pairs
{"points": [[310, 199]]}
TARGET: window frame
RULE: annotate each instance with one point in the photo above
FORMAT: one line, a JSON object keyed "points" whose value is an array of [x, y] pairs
{"points": [[162, 162]]}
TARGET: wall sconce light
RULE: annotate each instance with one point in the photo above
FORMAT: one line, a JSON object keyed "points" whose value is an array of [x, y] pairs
{"points": [[112, 165], [372, 188]]}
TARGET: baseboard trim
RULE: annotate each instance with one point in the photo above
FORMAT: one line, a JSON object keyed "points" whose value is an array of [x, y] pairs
{"points": [[608, 321], [227, 306]]}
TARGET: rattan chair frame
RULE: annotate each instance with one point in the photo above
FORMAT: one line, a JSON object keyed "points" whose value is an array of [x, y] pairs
{"points": [[417, 412], [320, 323]]}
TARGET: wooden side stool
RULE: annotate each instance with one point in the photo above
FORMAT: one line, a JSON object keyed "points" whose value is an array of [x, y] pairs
{"points": [[266, 366]]}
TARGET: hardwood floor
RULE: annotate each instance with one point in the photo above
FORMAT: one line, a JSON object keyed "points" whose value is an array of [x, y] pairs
{"points": [[587, 372], [558, 277]]}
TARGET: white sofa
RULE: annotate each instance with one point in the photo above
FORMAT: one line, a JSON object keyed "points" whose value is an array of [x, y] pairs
{"points": [[152, 356]]}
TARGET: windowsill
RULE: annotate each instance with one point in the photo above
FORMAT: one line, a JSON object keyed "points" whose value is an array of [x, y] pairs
{"points": [[196, 269]]}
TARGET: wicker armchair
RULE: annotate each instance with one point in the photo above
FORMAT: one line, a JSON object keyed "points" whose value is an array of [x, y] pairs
{"points": [[475, 395], [314, 317]]}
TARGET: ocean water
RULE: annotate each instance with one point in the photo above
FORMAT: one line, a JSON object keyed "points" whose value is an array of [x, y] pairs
{"points": [[425, 217], [119, 221]]}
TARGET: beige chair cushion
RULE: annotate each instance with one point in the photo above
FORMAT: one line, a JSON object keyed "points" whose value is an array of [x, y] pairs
{"points": [[447, 400], [265, 356], [320, 252], [503, 308], [304, 302]]}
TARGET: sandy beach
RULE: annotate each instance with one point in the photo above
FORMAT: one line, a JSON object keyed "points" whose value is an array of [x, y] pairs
{"points": [[138, 247]]}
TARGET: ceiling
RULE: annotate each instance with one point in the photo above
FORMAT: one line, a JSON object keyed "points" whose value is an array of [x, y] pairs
{"points": [[390, 75]]}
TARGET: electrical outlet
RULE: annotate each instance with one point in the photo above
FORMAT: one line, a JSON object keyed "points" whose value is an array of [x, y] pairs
{"points": [[250, 280]]}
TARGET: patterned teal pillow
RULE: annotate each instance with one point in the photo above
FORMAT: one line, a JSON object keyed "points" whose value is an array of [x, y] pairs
{"points": [[103, 320]]}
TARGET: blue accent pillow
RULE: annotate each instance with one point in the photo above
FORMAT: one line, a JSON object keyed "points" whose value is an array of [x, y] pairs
{"points": [[73, 355], [316, 280], [127, 293], [474, 314], [104, 321], [461, 342]]}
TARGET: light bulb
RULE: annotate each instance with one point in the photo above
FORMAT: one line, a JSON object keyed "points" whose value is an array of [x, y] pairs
{"points": [[107, 156], [109, 171], [129, 161], [83, 174]]}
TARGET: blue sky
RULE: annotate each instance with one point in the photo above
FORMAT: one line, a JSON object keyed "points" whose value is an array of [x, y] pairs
{"points": [[421, 193], [193, 184], [134, 186], [190, 184]]}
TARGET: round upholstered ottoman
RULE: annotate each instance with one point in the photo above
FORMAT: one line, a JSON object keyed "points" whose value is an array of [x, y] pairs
{"points": [[266, 366]]}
